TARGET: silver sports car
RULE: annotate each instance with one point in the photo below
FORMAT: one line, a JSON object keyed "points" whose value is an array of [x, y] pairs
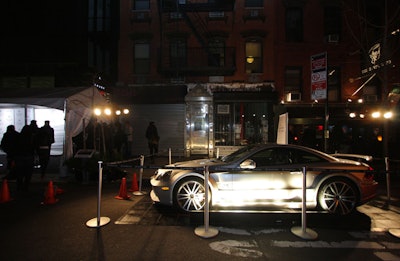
{"points": [[264, 177]]}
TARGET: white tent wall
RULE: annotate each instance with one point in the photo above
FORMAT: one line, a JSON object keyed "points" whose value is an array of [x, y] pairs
{"points": [[76, 104], [78, 110], [20, 114]]}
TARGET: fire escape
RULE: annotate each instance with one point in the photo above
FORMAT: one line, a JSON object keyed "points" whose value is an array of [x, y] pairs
{"points": [[179, 20]]}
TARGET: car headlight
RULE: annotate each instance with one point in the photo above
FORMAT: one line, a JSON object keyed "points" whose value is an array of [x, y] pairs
{"points": [[162, 173]]}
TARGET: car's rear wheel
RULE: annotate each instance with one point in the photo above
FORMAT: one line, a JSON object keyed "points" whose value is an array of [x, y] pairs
{"points": [[189, 195], [338, 196]]}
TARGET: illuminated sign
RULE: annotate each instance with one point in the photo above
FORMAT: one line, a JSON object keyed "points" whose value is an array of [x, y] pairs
{"points": [[374, 54]]}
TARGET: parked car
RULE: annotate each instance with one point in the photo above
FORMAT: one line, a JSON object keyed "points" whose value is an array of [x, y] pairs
{"points": [[266, 176]]}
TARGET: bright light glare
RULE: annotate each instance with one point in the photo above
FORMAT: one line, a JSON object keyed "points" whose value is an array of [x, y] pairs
{"points": [[388, 115], [118, 112], [126, 111], [254, 197], [97, 112], [107, 111], [352, 115], [376, 114]]}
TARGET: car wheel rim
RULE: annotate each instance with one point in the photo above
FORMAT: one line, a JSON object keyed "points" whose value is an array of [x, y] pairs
{"points": [[339, 197], [190, 196]]}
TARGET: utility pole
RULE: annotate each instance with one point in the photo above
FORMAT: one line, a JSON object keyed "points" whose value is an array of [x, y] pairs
{"points": [[385, 84]]}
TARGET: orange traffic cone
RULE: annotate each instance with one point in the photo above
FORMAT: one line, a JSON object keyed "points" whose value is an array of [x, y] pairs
{"points": [[5, 192], [135, 186], [123, 194], [49, 198]]}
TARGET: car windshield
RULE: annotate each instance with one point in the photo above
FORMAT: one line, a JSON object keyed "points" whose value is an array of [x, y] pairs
{"points": [[237, 154]]}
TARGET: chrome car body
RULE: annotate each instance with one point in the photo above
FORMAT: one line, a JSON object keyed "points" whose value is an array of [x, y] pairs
{"points": [[266, 177], [356, 157]]}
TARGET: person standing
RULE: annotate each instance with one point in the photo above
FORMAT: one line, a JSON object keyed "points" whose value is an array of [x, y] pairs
{"points": [[24, 159], [152, 139], [9, 146], [129, 139], [119, 140], [45, 138]]}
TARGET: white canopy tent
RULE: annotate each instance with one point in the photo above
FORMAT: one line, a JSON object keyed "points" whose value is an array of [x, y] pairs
{"points": [[76, 103]]}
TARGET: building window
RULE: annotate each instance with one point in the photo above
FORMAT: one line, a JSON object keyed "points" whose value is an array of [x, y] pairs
{"points": [[375, 13], [294, 24], [142, 58], [240, 123], [140, 5], [334, 86], [99, 16], [254, 3], [217, 52], [332, 23], [178, 53], [253, 57], [293, 79]]}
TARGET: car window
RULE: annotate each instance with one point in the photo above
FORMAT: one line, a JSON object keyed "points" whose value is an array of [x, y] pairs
{"points": [[304, 157], [271, 157], [237, 154]]}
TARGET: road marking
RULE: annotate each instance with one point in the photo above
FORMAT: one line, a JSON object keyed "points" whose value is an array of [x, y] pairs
{"points": [[386, 256], [131, 216], [237, 248], [324, 244]]}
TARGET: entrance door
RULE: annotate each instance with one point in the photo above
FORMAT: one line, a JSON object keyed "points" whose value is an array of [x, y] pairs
{"points": [[199, 128]]}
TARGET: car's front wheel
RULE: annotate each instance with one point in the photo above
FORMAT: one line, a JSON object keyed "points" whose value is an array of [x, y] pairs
{"points": [[338, 196], [189, 195]]}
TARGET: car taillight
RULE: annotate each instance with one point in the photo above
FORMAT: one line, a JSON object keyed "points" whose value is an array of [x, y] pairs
{"points": [[369, 174]]}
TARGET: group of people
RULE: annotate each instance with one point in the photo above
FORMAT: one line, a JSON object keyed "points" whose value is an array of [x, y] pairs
{"points": [[23, 147], [115, 140]]}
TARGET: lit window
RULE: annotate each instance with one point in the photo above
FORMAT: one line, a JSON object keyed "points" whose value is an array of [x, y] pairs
{"points": [[253, 57]]}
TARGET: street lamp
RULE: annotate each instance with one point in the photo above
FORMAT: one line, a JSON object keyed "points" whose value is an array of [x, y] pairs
{"points": [[109, 111], [376, 114], [386, 115]]}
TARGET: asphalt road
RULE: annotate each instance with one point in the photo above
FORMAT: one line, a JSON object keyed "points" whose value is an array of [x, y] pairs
{"points": [[139, 230]]}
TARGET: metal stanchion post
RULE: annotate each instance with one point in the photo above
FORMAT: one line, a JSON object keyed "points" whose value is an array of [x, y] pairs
{"points": [[169, 156], [140, 193], [217, 153], [304, 232], [387, 179], [99, 221], [206, 231], [393, 231]]}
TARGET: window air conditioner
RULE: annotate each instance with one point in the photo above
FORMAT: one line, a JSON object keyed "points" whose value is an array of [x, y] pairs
{"points": [[333, 38], [216, 14], [293, 96], [254, 13]]}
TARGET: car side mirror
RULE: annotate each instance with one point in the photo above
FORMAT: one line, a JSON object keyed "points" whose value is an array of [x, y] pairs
{"points": [[248, 164]]}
